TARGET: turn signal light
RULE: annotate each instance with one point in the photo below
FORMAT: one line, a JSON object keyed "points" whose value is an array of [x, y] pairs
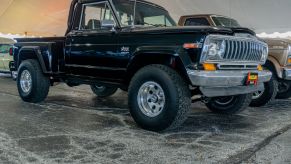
{"points": [[11, 51], [209, 67], [260, 68], [191, 46], [289, 60]]}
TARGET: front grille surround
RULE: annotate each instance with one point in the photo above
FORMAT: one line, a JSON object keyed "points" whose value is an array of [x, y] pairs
{"points": [[238, 50]]}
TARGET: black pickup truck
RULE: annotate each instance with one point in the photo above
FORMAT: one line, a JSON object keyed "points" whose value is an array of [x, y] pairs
{"points": [[136, 46]]}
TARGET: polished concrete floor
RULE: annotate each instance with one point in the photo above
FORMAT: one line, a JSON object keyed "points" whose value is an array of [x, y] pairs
{"points": [[73, 126]]}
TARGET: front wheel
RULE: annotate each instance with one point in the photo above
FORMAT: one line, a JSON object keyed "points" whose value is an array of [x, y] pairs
{"points": [[229, 105], [284, 90], [159, 98], [33, 85], [261, 98], [103, 91]]}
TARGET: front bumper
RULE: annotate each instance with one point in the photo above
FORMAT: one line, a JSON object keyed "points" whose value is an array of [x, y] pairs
{"points": [[226, 82], [287, 74]]}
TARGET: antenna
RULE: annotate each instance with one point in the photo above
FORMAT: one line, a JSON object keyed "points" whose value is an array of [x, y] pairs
{"points": [[134, 11]]}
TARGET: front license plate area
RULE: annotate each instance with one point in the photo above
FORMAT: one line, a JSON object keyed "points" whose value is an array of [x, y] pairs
{"points": [[252, 78]]}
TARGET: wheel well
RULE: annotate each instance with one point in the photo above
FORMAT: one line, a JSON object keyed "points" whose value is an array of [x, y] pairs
{"points": [[143, 60], [270, 65], [25, 55]]}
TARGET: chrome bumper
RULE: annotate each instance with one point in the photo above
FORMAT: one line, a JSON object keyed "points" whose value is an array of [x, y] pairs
{"points": [[226, 83], [287, 74]]}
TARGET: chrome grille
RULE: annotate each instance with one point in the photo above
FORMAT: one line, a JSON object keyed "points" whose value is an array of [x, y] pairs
{"points": [[244, 50]]}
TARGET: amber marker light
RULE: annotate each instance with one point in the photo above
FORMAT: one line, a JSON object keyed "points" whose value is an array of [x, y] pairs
{"points": [[289, 60], [191, 45], [260, 68], [209, 67]]}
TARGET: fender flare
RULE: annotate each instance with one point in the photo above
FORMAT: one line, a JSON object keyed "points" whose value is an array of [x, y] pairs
{"points": [[176, 55], [32, 50], [276, 65]]}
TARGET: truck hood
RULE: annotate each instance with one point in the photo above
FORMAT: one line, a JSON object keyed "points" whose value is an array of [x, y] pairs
{"points": [[242, 30], [183, 29]]}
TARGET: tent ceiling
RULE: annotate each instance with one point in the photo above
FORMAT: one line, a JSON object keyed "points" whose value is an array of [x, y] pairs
{"points": [[49, 17]]}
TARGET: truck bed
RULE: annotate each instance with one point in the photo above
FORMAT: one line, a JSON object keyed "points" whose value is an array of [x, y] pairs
{"points": [[51, 51]]}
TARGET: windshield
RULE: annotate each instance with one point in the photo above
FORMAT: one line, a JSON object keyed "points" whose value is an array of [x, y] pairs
{"points": [[146, 14], [225, 22]]}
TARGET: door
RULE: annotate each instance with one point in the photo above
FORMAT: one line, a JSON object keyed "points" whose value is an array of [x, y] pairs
{"points": [[93, 47]]}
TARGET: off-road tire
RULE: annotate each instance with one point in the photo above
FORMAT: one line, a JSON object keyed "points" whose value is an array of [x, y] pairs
{"points": [[40, 83], [104, 91], [177, 98], [237, 105], [286, 94], [269, 94]]}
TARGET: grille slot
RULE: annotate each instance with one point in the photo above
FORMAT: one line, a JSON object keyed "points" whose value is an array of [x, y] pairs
{"points": [[245, 50]]}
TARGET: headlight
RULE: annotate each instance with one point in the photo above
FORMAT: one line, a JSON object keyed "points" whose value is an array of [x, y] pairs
{"points": [[213, 50]]}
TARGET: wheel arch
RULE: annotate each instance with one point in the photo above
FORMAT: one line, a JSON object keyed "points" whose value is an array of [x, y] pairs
{"points": [[32, 52], [172, 59], [274, 66]]}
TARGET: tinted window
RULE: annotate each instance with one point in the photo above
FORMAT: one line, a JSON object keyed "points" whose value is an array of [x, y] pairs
{"points": [[197, 22], [146, 14], [94, 15], [225, 22]]}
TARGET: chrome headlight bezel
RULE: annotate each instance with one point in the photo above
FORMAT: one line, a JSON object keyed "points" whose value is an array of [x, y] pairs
{"points": [[213, 50], [217, 49]]}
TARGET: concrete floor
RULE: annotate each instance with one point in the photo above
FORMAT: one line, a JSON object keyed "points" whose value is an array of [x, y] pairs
{"points": [[73, 126]]}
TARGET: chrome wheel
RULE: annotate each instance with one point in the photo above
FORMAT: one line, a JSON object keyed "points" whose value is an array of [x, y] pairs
{"points": [[257, 94], [151, 99], [224, 100], [25, 81]]}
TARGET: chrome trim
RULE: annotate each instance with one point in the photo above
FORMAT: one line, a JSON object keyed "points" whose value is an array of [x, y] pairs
{"points": [[287, 74], [238, 49], [230, 91], [95, 3], [224, 78]]}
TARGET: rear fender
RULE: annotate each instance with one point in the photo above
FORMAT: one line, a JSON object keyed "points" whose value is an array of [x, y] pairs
{"points": [[35, 52]]}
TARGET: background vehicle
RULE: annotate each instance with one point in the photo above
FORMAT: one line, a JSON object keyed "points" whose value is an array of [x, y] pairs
{"points": [[277, 62], [136, 46], [5, 58]]}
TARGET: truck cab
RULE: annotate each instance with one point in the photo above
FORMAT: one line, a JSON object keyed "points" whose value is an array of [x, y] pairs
{"points": [[138, 47]]}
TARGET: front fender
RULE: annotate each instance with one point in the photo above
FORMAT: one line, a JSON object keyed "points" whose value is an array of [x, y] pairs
{"points": [[174, 57], [277, 66]]}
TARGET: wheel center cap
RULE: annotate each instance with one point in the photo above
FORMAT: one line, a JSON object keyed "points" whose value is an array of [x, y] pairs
{"points": [[154, 98]]}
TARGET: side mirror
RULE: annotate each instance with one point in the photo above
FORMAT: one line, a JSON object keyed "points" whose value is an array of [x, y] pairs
{"points": [[107, 23]]}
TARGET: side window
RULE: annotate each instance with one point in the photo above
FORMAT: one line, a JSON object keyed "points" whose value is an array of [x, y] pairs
{"points": [[197, 22], [96, 17]]}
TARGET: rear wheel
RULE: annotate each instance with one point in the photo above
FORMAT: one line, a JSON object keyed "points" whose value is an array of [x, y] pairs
{"points": [[159, 98], [230, 104], [284, 90], [33, 85], [261, 98], [103, 91]]}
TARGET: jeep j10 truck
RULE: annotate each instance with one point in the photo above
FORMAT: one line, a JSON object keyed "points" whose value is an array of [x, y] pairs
{"points": [[136, 46], [278, 62]]}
